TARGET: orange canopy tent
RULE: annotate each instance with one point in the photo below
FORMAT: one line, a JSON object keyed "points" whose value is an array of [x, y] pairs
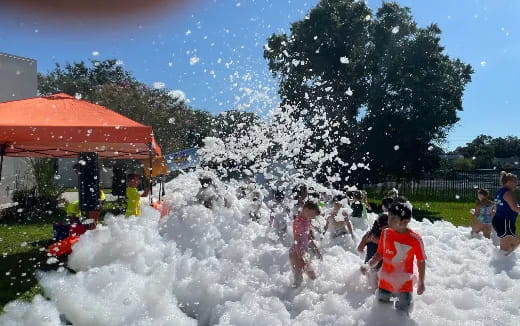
{"points": [[62, 126]]}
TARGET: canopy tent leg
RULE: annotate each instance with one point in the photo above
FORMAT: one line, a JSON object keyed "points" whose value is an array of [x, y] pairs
{"points": [[2, 153], [89, 185], [150, 170]]}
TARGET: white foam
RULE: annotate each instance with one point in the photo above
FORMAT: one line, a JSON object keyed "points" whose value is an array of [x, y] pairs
{"points": [[214, 266]]}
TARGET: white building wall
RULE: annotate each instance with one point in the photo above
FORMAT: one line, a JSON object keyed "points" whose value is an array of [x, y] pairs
{"points": [[18, 81]]}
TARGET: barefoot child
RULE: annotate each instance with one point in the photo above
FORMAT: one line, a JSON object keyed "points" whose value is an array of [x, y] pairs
{"points": [[338, 222], [483, 214], [133, 198], [507, 210], [279, 215], [371, 239], [360, 207], [398, 247], [298, 254]]}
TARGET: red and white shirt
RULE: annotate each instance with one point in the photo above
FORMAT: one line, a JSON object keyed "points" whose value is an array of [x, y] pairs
{"points": [[398, 251]]}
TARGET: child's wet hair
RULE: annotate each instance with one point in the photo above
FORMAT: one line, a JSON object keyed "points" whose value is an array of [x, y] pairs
{"points": [[339, 198], [387, 201], [205, 181], [279, 195], [383, 220], [357, 195], [401, 210], [393, 193], [506, 177], [483, 192], [132, 176], [313, 205]]}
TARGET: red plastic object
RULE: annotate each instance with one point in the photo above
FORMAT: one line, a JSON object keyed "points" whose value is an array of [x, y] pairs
{"points": [[63, 247]]}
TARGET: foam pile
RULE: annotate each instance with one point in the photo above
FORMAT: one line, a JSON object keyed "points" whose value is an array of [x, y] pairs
{"points": [[216, 267]]}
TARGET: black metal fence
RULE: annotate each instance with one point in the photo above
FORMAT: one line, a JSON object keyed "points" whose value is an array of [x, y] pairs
{"points": [[449, 185]]}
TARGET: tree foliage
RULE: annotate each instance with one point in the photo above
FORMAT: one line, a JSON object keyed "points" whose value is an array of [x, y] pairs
{"points": [[484, 149], [176, 126], [384, 83]]}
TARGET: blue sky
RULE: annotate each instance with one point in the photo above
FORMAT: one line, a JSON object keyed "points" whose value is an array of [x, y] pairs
{"points": [[212, 51]]}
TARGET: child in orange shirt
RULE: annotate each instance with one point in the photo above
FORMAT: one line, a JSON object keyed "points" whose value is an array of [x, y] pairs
{"points": [[303, 239], [398, 246]]}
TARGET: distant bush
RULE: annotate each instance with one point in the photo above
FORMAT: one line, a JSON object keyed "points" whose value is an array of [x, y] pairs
{"points": [[465, 164], [32, 207]]}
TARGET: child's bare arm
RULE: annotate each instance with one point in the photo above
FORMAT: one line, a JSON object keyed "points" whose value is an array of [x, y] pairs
{"points": [[510, 198], [316, 250], [369, 208], [373, 238], [348, 224], [363, 242], [477, 210], [326, 226], [421, 267], [375, 260]]}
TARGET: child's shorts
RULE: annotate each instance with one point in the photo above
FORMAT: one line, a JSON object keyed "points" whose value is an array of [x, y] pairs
{"points": [[371, 251], [484, 220], [504, 227], [404, 302]]}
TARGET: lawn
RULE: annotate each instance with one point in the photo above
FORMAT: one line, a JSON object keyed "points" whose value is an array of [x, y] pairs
{"points": [[22, 250], [456, 212]]}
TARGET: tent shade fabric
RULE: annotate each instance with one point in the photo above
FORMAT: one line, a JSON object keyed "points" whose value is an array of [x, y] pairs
{"points": [[62, 126]]}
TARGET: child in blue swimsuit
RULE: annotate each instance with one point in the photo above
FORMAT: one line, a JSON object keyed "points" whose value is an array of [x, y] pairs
{"points": [[483, 214]]}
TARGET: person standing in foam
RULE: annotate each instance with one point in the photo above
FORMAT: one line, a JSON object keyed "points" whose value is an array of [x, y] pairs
{"points": [[482, 214], [279, 215], [298, 254], [338, 222], [371, 239], [507, 210], [398, 246], [359, 207], [133, 198]]}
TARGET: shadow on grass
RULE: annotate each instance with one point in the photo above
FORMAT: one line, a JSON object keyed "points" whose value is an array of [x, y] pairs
{"points": [[18, 272], [14, 216], [418, 213], [432, 216]]}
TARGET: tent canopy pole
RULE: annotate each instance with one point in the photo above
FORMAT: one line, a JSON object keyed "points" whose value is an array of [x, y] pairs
{"points": [[2, 153], [150, 171]]}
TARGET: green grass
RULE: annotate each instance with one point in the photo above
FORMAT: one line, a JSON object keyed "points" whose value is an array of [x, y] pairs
{"points": [[21, 254], [456, 212]]}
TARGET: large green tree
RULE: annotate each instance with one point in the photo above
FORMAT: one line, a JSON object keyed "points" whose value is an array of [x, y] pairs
{"points": [[176, 126], [415, 93], [383, 82]]}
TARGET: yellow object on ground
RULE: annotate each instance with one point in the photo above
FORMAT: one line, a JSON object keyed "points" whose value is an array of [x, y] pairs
{"points": [[73, 210], [133, 202], [102, 195]]}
